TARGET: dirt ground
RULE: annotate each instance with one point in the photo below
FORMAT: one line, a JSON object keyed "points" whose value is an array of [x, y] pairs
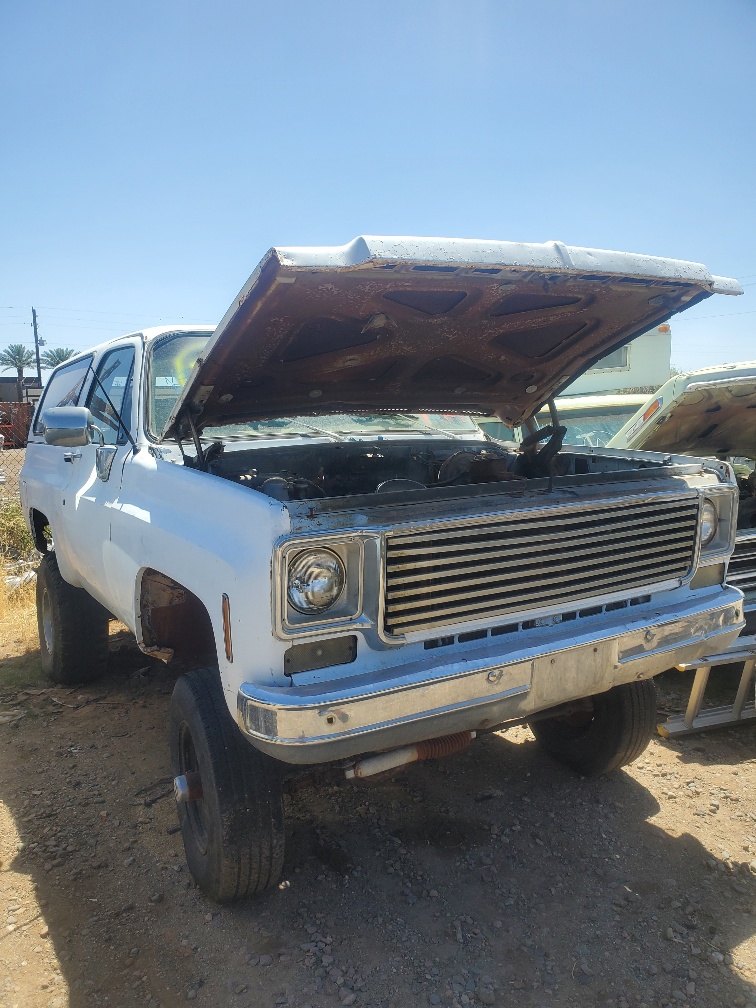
{"points": [[495, 877]]}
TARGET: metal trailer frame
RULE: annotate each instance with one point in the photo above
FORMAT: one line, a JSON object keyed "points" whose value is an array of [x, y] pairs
{"points": [[737, 713]]}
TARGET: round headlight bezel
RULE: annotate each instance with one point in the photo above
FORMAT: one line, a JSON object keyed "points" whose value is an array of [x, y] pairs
{"points": [[711, 520], [306, 568]]}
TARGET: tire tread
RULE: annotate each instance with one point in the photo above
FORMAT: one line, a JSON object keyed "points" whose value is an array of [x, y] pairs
{"points": [[80, 628], [624, 722], [249, 793]]}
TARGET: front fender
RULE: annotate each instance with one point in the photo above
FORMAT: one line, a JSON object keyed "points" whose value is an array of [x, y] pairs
{"points": [[212, 537]]}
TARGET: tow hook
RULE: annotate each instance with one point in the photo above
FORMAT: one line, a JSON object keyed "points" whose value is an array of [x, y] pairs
{"points": [[187, 787]]}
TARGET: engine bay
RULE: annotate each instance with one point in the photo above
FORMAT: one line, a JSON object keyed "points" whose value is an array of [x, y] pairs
{"points": [[747, 491], [297, 472]]}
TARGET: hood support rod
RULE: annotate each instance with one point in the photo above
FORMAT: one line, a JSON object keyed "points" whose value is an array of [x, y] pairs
{"points": [[201, 460], [553, 413]]}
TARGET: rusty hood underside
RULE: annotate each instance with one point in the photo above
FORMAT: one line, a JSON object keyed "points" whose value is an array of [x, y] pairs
{"points": [[715, 419], [431, 324]]}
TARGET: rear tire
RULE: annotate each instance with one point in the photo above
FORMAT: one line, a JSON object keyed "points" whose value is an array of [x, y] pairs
{"points": [[613, 735], [234, 834], [73, 628]]}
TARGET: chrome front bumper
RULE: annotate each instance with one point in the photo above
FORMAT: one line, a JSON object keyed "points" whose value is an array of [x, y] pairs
{"points": [[479, 688]]}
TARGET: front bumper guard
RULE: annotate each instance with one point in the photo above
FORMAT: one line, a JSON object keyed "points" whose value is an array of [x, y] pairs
{"points": [[476, 690]]}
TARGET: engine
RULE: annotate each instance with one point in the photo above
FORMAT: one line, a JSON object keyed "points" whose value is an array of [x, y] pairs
{"points": [[747, 506], [303, 472]]}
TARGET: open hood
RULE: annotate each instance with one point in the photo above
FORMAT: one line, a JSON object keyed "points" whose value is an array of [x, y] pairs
{"points": [[428, 324], [713, 419]]}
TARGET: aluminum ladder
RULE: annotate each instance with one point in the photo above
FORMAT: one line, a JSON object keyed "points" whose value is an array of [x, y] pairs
{"points": [[736, 713]]}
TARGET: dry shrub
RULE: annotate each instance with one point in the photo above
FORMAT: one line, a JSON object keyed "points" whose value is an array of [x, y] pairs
{"points": [[18, 601], [18, 619], [19, 643], [16, 542]]}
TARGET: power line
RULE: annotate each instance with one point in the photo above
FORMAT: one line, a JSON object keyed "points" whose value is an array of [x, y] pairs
{"points": [[90, 311], [98, 311], [725, 315], [105, 326], [145, 320], [74, 343], [81, 318], [65, 320]]}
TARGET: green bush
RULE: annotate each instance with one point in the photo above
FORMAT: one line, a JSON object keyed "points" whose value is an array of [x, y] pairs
{"points": [[16, 542]]}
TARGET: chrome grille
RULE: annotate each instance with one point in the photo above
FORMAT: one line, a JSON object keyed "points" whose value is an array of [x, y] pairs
{"points": [[742, 570], [532, 560]]}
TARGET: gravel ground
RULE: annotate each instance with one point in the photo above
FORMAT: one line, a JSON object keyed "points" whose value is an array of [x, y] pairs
{"points": [[495, 877]]}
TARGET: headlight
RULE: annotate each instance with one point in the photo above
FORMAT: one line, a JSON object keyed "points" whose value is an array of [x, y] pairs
{"points": [[316, 580], [709, 522]]}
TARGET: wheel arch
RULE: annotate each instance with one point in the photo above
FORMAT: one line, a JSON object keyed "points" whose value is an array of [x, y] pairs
{"points": [[38, 522], [171, 620]]}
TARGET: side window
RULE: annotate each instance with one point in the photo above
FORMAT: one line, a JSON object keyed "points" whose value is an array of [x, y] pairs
{"points": [[110, 394], [63, 388], [615, 360]]}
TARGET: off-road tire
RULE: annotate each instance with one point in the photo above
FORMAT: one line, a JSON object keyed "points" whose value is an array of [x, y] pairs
{"points": [[73, 628], [234, 835], [620, 728]]}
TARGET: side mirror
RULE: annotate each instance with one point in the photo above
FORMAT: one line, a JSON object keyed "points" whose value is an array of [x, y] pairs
{"points": [[69, 426]]}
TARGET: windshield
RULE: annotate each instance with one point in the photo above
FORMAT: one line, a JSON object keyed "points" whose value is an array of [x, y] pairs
{"points": [[347, 423], [174, 357], [171, 364], [592, 428]]}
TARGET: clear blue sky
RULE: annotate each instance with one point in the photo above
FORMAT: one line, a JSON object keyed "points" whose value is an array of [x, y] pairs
{"points": [[152, 150]]}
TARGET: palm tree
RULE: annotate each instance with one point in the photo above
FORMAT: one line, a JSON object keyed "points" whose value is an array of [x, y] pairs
{"points": [[17, 357], [51, 358]]}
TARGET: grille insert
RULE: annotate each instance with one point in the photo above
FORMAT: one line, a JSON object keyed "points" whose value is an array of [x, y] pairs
{"points": [[532, 560], [742, 570]]}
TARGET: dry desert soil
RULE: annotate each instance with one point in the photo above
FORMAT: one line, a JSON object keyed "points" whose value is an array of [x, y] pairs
{"points": [[496, 877]]}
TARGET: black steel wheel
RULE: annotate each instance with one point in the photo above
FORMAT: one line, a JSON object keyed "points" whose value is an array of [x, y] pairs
{"points": [[73, 628], [614, 733], [231, 814]]}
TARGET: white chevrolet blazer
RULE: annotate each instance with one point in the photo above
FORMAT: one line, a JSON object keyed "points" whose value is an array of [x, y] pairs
{"points": [[296, 505]]}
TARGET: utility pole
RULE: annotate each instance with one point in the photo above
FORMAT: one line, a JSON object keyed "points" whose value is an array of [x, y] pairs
{"points": [[36, 345]]}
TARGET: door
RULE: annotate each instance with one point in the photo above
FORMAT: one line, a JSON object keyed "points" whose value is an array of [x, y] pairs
{"points": [[48, 469], [98, 467]]}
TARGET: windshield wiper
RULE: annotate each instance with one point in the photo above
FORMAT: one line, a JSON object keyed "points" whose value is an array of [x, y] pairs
{"points": [[418, 428], [336, 435], [231, 437], [265, 435]]}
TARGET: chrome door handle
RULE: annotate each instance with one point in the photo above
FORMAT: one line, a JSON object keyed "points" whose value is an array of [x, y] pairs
{"points": [[70, 456]]}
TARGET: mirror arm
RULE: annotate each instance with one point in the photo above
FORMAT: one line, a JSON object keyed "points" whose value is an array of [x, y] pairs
{"points": [[101, 437]]}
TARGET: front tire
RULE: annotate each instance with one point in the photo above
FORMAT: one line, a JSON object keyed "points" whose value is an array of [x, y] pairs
{"points": [[234, 834], [614, 734], [73, 628]]}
